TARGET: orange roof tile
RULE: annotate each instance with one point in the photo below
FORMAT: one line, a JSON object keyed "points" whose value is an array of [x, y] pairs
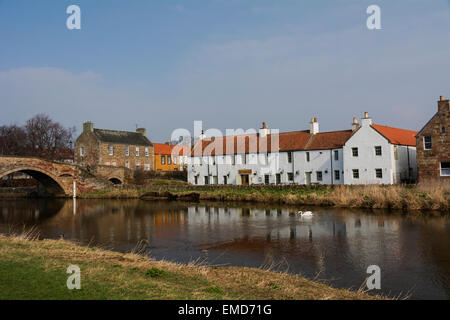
{"points": [[162, 148], [396, 135], [288, 141], [329, 140]]}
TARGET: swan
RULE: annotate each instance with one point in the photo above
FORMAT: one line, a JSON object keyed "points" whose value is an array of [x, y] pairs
{"points": [[305, 214]]}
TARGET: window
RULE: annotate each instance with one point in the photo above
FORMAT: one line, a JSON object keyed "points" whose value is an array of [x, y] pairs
{"points": [[379, 173], [289, 157], [307, 157], [355, 152], [244, 159], [82, 151], [427, 143], [337, 175], [290, 176], [163, 159], [336, 155], [195, 180], [445, 169], [147, 167], [110, 149], [378, 151], [443, 129], [233, 159], [127, 151], [213, 160], [266, 179], [147, 153], [127, 164], [206, 180], [215, 180], [278, 178], [169, 160], [319, 175], [137, 151], [225, 180], [355, 174], [138, 165], [175, 160]]}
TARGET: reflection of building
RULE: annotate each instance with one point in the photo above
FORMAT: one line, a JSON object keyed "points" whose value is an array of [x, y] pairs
{"points": [[132, 150], [433, 145]]}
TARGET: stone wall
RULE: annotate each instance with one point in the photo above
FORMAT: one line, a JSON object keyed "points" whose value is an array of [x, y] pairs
{"points": [[429, 161]]}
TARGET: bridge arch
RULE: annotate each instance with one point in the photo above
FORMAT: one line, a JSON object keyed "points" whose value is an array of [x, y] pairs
{"points": [[52, 183], [116, 181]]}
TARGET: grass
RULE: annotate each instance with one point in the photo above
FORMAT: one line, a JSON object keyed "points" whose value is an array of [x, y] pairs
{"points": [[36, 269], [425, 196]]}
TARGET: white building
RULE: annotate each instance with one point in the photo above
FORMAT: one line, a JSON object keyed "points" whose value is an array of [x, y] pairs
{"points": [[306, 157], [378, 154]]}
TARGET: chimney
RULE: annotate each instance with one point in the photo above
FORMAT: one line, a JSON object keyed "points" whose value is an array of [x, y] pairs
{"points": [[88, 126], [264, 131], [366, 121], [443, 105], [142, 131], [314, 126], [355, 124]]}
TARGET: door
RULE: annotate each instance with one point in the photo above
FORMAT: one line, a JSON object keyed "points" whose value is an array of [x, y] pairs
{"points": [[245, 179], [308, 177], [278, 178]]}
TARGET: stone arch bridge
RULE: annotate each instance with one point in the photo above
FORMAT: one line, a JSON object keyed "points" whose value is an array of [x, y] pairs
{"points": [[58, 178]]}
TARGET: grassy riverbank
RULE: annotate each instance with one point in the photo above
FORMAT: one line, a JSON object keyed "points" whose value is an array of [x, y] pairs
{"points": [[424, 197], [31, 269]]}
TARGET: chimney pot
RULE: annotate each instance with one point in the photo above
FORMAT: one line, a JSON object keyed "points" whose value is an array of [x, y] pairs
{"points": [[366, 115], [314, 126], [442, 98]]}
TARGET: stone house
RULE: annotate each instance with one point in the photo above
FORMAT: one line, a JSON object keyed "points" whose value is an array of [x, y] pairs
{"points": [[102, 147], [433, 145]]}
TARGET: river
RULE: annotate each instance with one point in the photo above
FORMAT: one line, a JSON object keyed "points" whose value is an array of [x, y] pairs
{"points": [[336, 245]]}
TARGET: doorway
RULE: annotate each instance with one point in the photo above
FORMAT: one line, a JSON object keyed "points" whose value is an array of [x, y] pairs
{"points": [[245, 179], [308, 177]]}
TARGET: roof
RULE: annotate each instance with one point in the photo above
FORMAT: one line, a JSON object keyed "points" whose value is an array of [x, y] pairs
{"points": [[329, 140], [288, 141], [162, 148], [122, 137], [397, 136]]}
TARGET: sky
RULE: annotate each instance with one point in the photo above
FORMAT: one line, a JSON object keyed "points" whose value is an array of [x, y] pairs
{"points": [[229, 63]]}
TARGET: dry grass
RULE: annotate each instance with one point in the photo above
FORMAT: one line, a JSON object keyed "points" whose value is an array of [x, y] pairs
{"points": [[31, 269]]}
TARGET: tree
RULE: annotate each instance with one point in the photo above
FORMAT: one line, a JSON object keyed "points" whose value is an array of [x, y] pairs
{"points": [[40, 137], [46, 138], [12, 140]]}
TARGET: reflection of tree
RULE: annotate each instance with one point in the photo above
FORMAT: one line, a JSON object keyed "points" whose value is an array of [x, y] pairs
{"points": [[28, 212]]}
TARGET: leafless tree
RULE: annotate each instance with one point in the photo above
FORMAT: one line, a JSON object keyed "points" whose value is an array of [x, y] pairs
{"points": [[40, 137]]}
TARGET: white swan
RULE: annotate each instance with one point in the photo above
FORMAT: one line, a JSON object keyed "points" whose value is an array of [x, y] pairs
{"points": [[306, 214]]}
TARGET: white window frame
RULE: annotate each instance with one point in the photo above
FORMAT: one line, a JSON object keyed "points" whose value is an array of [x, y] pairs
{"points": [[82, 154], [147, 153], [127, 151], [110, 149], [137, 151], [447, 171], [381, 151], [425, 143]]}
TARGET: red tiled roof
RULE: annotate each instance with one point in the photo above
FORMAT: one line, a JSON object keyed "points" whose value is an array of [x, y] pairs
{"points": [[397, 136], [288, 141], [329, 140], [180, 150], [162, 148]]}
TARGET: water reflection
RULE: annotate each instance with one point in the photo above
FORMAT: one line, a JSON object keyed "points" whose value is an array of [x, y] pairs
{"points": [[337, 245]]}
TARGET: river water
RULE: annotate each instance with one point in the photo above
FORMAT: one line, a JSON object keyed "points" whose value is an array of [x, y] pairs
{"points": [[336, 245]]}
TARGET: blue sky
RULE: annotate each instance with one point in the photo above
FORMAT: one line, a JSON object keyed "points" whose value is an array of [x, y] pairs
{"points": [[231, 63]]}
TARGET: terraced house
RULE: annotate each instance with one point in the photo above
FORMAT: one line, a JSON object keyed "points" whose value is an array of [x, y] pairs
{"points": [[364, 154], [105, 147], [170, 157], [433, 145]]}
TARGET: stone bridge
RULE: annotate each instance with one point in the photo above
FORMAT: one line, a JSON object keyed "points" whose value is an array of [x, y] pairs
{"points": [[58, 178]]}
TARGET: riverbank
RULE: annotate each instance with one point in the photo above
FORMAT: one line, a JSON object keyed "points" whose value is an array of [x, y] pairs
{"points": [[36, 269], [423, 197]]}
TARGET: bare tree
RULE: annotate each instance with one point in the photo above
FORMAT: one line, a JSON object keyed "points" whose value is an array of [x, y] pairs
{"points": [[40, 137], [47, 138], [12, 140]]}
